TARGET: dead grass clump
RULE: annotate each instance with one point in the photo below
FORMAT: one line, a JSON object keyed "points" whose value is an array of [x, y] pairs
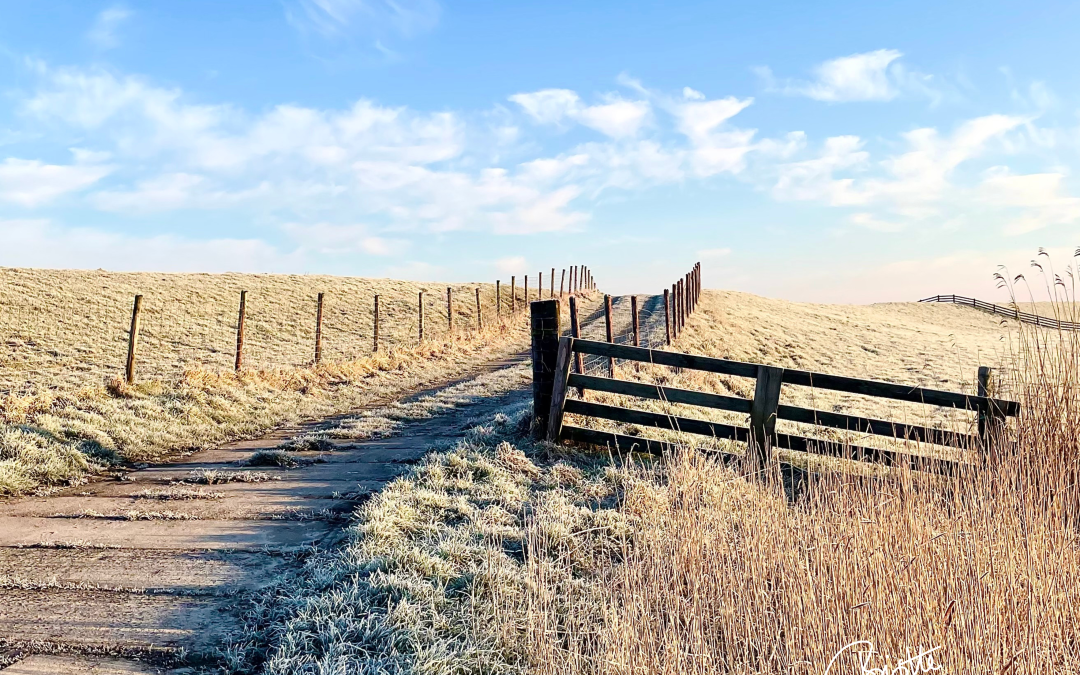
{"points": [[279, 458], [218, 477]]}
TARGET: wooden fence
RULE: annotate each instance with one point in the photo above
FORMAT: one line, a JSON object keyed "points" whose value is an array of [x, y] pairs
{"points": [[1010, 312], [553, 379]]}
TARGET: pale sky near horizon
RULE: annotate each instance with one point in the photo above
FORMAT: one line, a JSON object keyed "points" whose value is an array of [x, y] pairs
{"points": [[830, 151]]}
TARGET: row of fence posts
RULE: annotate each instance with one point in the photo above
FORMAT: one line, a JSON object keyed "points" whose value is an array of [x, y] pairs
{"points": [[546, 327], [580, 279], [679, 304]]}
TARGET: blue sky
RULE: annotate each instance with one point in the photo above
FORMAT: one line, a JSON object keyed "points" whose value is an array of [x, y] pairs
{"points": [[831, 151]]}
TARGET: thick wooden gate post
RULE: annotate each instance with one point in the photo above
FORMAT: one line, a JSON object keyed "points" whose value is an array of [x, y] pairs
{"points": [[240, 332], [318, 330], [763, 412], [133, 340], [545, 327], [991, 420], [634, 321]]}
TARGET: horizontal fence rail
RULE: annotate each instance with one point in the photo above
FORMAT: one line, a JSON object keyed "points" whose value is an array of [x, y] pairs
{"points": [[1000, 310], [764, 408]]}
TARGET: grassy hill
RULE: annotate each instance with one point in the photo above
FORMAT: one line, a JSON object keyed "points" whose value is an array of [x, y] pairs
{"points": [[65, 411]]}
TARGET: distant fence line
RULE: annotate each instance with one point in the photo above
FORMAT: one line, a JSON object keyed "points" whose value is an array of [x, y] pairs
{"points": [[1010, 312], [56, 341]]}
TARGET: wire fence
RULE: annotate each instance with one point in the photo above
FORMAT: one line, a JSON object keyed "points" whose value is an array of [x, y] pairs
{"points": [[66, 330]]}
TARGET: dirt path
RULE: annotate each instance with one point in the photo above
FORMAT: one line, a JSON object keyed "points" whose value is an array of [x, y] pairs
{"points": [[134, 575]]}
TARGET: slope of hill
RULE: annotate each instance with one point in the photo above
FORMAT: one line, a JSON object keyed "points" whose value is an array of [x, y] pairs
{"points": [[65, 410]]}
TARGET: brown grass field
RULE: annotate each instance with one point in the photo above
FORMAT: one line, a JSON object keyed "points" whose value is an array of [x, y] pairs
{"points": [[65, 411], [504, 555]]}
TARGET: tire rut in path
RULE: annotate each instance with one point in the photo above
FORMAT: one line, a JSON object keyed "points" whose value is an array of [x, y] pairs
{"points": [[140, 574]]}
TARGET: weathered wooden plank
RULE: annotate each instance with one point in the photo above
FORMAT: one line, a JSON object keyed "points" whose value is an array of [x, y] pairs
{"points": [[890, 458], [677, 359], [559, 388], [659, 393], [619, 442], [873, 426], [800, 377], [657, 420], [899, 392]]}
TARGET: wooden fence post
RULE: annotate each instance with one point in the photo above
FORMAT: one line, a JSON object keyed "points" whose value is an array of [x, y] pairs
{"points": [[667, 316], [573, 279], [991, 420], [682, 306], [133, 340], [375, 339], [420, 316], [479, 316], [450, 309], [540, 286], [318, 330], [763, 412], [240, 332], [513, 295], [498, 299], [558, 388], [545, 328], [552, 295], [526, 290], [575, 332], [634, 321], [674, 313], [610, 336], [562, 283]]}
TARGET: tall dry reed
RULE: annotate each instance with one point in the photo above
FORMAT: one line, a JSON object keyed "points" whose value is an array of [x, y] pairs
{"points": [[725, 574]]}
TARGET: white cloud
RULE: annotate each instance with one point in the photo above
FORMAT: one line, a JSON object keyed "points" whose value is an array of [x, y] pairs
{"points": [[616, 118], [30, 182], [911, 182], [1039, 198], [371, 18], [103, 34], [871, 222], [330, 239], [870, 76], [510, 265], [713, 253], [41, 243]]}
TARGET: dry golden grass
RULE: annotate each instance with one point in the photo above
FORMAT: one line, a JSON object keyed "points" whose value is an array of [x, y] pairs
{"points": [[66, 329], [725, 575], [507, 556], [65, 411]]}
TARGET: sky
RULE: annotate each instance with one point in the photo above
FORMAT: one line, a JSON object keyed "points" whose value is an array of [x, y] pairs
{"points": [[827, 152]]}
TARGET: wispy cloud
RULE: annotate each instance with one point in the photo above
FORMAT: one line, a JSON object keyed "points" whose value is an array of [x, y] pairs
{"points": [[104, 33], [374, 19], [869, 76]]}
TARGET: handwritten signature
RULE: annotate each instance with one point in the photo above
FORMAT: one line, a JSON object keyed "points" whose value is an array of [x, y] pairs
{"points": [[920, 662]]}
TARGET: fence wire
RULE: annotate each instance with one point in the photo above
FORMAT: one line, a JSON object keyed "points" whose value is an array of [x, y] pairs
{"points": [[651, 323], [67, 330]]}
